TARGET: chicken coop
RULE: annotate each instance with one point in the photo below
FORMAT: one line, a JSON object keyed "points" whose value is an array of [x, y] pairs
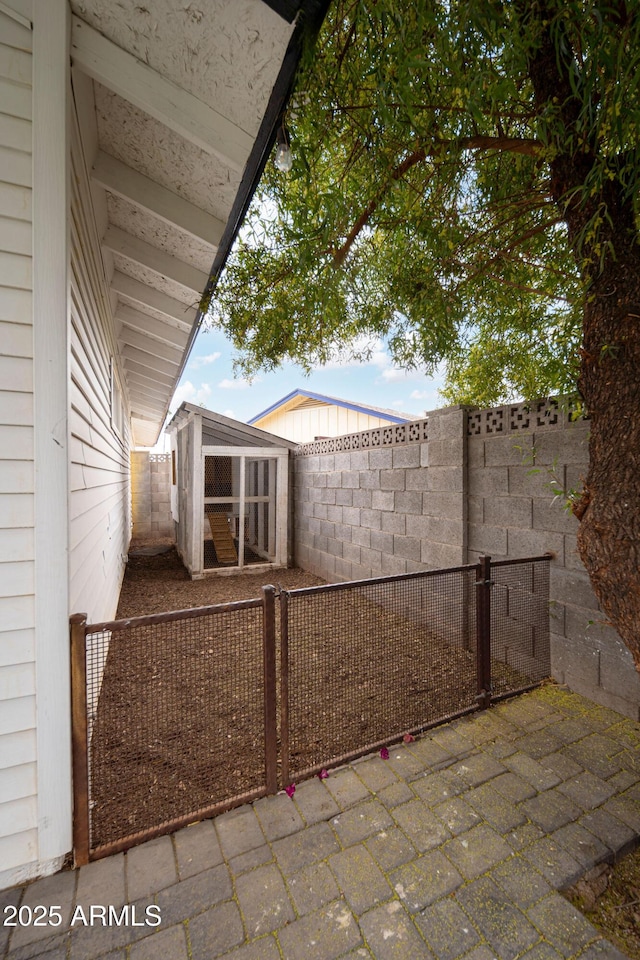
{"points": [[229, 493]]}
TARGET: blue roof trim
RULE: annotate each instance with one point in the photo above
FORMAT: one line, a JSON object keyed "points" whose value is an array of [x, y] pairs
{"points": [[358, 407]]}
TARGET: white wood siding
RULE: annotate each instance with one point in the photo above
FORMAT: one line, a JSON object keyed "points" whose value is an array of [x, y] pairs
{"points": [[18, 812], [99, 506], [307, 423]]}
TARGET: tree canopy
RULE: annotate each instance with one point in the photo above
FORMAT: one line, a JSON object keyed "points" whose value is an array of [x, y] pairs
{"points": [[465, 185], [424, 206]]}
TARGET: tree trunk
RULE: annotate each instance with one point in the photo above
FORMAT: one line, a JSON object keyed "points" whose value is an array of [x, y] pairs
{"points": [[609, 509], [609, 532]]}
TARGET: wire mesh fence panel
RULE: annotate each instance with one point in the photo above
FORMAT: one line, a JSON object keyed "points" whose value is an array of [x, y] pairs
{"points": [[182, 708], [520, 643], [175, 717], [366, 662]]}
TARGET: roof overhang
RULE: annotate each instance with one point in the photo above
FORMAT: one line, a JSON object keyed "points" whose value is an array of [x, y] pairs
{"points": [[179, 105], [225, 431], [302, 399]]}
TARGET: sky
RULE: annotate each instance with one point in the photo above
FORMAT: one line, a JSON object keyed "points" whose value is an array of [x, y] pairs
{"points": [[209, 380]]}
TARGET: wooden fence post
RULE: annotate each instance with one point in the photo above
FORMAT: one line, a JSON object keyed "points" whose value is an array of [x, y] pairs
{"points": [[284, 687], [270, 690], [79, 740], [483, 621]]}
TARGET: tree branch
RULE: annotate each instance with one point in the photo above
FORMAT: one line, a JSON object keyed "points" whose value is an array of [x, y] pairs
{"points": [[438, 149]]}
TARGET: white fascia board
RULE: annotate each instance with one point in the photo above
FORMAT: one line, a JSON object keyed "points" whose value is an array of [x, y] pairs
{"points": [[125, 182], [161, 98]]}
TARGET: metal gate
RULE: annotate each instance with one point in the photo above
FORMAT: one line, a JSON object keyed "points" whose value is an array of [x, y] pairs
{"points": [[173, 720], [179, 716]]}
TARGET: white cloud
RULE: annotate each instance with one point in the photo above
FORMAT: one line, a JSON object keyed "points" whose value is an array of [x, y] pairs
{"points": [[186, 392], [378, 356], [239, 384], [392, 374], [198, 362], [419, 394]]}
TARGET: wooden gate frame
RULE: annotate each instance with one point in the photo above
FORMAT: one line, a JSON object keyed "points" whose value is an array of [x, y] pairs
{"points": [[79, 629]]}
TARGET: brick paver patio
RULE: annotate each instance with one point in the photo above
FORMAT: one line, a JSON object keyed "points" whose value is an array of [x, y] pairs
{"points": [[454, 847]]}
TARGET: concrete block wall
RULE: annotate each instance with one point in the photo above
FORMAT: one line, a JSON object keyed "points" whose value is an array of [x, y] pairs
{"points": [[442, 492], [393, 506], [520, 472], [151, 496]]}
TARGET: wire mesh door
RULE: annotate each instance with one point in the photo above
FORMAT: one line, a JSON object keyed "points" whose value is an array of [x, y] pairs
{"points": [[171, 720]]}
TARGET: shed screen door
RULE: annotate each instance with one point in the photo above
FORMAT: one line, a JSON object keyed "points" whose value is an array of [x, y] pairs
{"points": [[240, 510]]}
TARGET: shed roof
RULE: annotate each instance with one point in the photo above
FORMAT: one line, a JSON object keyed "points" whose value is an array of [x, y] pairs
{"points": [[223, 431], [179, 104], [299, 399]]}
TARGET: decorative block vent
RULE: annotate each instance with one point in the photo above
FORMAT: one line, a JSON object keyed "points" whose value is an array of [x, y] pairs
{"points": [[514, 417], [474, 424], [547, 412], [414, 431], [495, 420], [519, 418]]}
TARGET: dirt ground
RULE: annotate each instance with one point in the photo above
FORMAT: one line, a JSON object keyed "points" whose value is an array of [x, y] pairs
{"points": [[154, 583], [157, 583], [179, 726], [609, 896]]}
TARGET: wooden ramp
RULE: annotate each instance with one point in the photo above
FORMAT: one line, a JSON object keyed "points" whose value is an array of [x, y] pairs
{"points": [[225, 548]]}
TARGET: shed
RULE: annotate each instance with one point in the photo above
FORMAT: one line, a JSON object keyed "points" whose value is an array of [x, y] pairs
{"points": [[304, 415], [229, 493]]}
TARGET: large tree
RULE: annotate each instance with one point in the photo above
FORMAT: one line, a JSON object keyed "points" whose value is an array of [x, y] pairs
{"points": [[465, 185]]}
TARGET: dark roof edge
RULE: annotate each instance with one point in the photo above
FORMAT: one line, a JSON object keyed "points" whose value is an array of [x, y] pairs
{"points": [[287, 9], [270, 439]]}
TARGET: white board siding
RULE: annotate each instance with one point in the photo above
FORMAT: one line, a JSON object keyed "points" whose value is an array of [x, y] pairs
{"points": [[16, 510], [16, 850], [16, 613], [16, 340], [304, 425], [17, 406], [16, 714], [99, 511], [16, 544], [17, 646], [15, 133], [22, 814], [15, 202], [18, 812], [17, 98], [16, 476], [20, 782], [17, 748], [16, 271], [16, 579]]}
